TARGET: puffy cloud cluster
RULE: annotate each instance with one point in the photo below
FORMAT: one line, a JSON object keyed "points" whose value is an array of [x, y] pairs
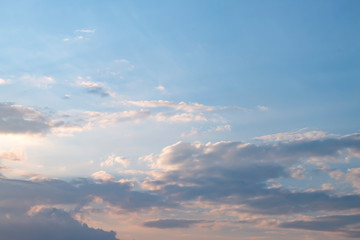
{"points": [[17, 119], [238, 174], [49, 223]]}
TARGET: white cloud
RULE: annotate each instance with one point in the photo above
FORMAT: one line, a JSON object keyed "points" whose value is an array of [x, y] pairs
{"points": [[182, 117], [263, 108], [112, 159], [160, 88], [3, 81], [80, 34], [103, 176], [181, 106], [191, 133], [223, 128], [293, 136], [90, 31]]}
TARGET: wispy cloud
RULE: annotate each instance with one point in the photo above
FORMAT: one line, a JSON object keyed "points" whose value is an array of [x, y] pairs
{"points": [[80, 34], [182, 106]]}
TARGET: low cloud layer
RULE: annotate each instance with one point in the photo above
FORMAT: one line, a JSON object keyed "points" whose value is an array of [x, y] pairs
{"points": [[52, 223], [346, 224], [171, 223]]}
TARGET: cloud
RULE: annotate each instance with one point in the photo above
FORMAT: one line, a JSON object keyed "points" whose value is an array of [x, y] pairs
{"points": [[95, 88], [112, 159], [12, 155], [80, 34], [92, 31], [18, 119], [182, 117], [160, 88], [172, 223], [181, 106], [346, 224], [263, 108], [39, 81], [20, 195], [3, 81], [49, 224], [103, 176], [237, 173], [293, 136]]}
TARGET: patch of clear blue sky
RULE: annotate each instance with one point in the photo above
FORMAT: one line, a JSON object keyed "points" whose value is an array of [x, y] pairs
{"points": [[300, 58]]}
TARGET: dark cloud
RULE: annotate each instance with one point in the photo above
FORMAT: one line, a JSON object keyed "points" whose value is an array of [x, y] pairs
{"points": [[172, 223], [98, 91], [48, 224], [21, 195], [347, 224], [238, 174], [17, 119], [95, 88]]}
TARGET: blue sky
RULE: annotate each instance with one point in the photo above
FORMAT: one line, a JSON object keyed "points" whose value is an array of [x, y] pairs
{"points": [[190, 119]]}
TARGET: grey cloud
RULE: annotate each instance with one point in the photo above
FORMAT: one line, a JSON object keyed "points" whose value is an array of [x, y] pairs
{"points": [[337, 223], [172, 223], [237, 173], [95, 88], [18, 119], [47, 224], [21, 195]]}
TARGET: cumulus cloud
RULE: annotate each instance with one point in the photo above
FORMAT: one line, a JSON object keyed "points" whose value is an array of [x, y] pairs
{"points": [[263, 108], [49, 224], [18, 119], [112, 159], [172, 223], [237, 173]]}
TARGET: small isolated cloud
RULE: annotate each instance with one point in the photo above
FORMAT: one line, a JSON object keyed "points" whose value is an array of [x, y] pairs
{"points": [[80, 34], [112, 159], [223, 128], [67, 96], [103, 176], [161, 88], [172, 223], [38, 81], [4, 81], [90, 31], [263, 108], [96, 88]]}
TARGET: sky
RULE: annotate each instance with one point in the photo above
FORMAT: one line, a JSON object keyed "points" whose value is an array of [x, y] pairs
{"points": [[141, 120]]}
